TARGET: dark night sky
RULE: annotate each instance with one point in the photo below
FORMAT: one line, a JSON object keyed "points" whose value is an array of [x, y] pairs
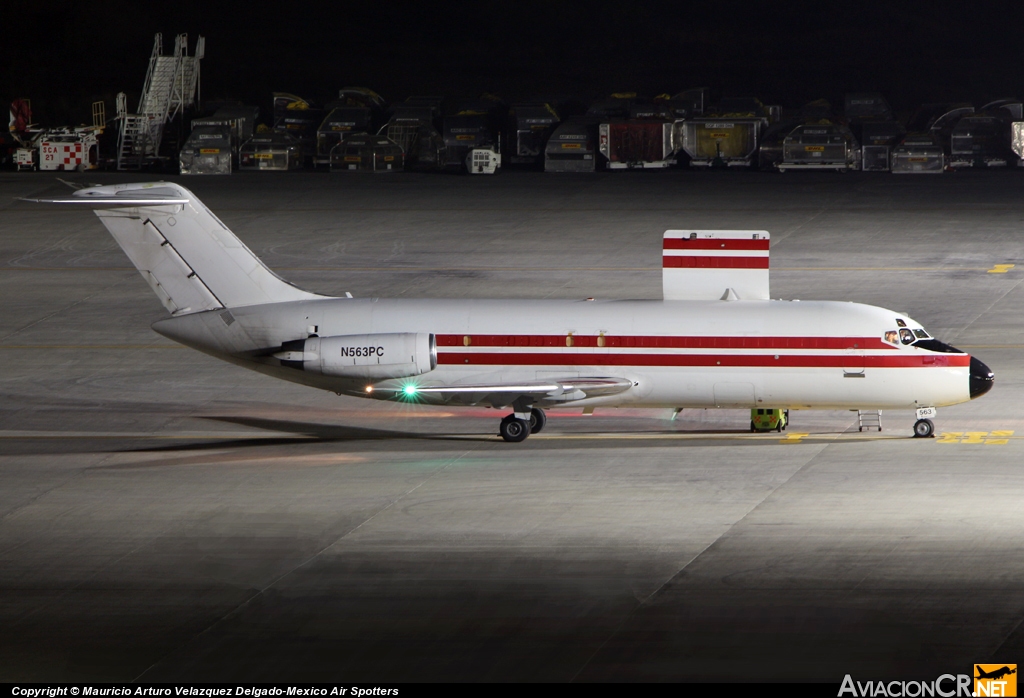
{"points": [[64, 55]]}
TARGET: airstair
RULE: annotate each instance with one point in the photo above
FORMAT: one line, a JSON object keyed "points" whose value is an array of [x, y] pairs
{"points": [[172, 85], [869, 419]]}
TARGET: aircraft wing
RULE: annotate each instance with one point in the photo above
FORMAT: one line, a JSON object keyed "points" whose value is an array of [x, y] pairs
{"points": [[545, 393]]}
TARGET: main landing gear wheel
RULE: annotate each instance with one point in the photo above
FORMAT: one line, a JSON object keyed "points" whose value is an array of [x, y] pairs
{"points": [[923, 428], [514, 430], [537, 420]]}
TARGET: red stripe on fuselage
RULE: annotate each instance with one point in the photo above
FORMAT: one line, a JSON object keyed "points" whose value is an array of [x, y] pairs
{"points": [[713, 244], [737, 360], [694, 262], [655, 342]]}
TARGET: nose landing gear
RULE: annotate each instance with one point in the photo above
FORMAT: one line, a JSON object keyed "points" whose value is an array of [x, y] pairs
{"points": [[924, 427]]}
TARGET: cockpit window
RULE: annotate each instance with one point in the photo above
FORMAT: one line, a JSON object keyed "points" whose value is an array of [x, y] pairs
{"points": [[900, 323], [892, 336], [906, 336], [920, 334]]}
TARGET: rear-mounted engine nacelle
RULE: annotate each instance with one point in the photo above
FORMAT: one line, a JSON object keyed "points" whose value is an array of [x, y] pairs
{"points": [[363, 356]]}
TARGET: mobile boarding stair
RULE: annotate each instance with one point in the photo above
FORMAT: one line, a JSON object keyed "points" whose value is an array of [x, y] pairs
{"points": [[172, 85]]}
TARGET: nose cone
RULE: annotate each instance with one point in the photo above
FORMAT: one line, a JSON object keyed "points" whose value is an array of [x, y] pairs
{"points": [[981, 378]]}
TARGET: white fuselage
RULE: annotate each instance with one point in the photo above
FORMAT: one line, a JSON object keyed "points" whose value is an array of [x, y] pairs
{"points": [[739, 354]]}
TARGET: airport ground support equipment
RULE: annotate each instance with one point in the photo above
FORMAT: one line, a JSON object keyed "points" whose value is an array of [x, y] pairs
{"points": [[767, 419], [208, 150], [272, 151], [819, 146], [366, 153], [720, 141], [919, 153], [572, 146], [172, 85]]}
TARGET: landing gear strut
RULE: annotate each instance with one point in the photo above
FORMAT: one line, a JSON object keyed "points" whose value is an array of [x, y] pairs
{"points": [[924, 428]]}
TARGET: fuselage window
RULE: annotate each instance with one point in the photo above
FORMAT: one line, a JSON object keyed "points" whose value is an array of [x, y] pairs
{"points": [[906, 336], [892, 336]]}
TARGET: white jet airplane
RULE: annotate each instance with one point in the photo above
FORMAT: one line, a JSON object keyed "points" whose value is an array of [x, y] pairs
{"points": [[716, 340]]}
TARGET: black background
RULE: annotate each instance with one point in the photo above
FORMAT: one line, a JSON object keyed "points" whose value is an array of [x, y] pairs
{"points": [[64, 55]]}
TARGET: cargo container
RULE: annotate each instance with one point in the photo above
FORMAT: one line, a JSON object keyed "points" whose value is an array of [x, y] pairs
{"points": [[366, 153], [207, 151], [240, 121], [466, 132], [823, 146], [730, 142], [297, 117], [572, 147], [338, 125], [866, 106], [878, 138], [530, 126], [642, 143], [414, 129], [919, 153], [980, 140], [272, 151], [1017, 141]]}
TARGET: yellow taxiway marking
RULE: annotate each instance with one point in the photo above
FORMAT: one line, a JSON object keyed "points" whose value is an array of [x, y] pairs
{"points": [[1001, 268], [989, 438], [794, 438]]}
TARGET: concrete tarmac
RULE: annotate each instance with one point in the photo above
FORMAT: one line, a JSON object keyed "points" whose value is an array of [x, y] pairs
{"points": [[167, 517]]}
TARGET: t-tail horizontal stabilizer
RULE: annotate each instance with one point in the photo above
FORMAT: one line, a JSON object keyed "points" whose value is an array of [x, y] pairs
{"points": [[186, 254], [711, 265]]}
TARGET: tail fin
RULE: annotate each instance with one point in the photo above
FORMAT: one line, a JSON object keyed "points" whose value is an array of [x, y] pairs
{"points": [[187, 255]]}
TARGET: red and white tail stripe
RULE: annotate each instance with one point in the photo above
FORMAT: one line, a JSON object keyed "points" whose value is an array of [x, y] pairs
{"points": [[715, 264]]}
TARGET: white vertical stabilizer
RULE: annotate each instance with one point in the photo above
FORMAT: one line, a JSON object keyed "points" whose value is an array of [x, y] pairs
{"points": [[186, 254], [709, 265]]}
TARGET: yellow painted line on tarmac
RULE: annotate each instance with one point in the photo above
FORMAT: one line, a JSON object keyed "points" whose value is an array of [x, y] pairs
{"points": [[1001, 268], [988, 438], [794, 438]]}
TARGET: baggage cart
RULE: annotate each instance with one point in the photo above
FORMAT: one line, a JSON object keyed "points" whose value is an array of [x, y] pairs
{"points": [[240, 121], [980, 140], [366, 153], [413, 129], [731, 142], [530, 126], [919, 153], [866, 106], [465, 132], [208, 150], [637, 144], [572, 147], [336, 127], [1017, 141], [271, 152], [297, 117], [878, 138], [823, 146]]}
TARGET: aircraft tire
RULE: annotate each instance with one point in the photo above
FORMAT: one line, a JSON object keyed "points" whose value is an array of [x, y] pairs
{"points": [[537, 420], [514, 430], [924, 428]]}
